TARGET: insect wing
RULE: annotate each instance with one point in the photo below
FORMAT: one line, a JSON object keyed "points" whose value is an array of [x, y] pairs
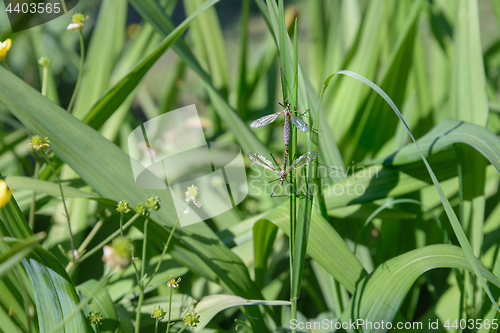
{"points": [[300, 124], [262, 161], [303, 160], [263, 121]]}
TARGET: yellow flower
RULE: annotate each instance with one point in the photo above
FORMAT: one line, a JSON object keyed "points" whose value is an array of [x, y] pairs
{"points": [[5, 193], [38, 143], [172, 283], [4, 48], [191, 319], [77, 22], [158, 313]]}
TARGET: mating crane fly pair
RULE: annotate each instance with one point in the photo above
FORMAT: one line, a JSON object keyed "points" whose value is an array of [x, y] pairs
{"points": [[300, 161]]}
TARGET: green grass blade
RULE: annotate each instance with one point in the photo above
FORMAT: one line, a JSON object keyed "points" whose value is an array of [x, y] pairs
{"points": [[264, 234], [50, 188], [106, 168], [325, 246], [468, 95], [104, 49], [209, 33], [16, 252], [55, 294], [116, 95], [444, 135], [455, 223], [153, 13], [379, 296], [209, 306]]}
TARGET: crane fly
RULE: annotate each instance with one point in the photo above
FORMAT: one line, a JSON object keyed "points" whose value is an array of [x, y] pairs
{"points": [[299, 123], [283, 173]]}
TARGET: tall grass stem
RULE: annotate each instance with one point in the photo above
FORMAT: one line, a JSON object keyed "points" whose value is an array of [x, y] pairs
{"points": [[73, 259], [82, 61]]}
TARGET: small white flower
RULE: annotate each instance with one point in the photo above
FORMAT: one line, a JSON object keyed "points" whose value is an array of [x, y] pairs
{"points": [[192, 195]]}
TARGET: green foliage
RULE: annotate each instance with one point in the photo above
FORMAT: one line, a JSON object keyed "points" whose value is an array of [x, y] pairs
{"points": [[405, 226]]}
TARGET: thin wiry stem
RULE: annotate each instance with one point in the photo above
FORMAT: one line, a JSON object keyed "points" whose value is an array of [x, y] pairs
{"points": [[156, 326], [31, 219], [141, 286], [169, 311], [82, 60], [90, 236], [65, 207], [165, 248], [44, 80], [121, 224]]}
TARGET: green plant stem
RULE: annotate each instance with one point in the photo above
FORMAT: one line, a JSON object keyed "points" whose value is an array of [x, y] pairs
{"points": [[295, 280], [121, 224], [156, 326], [97, 328], [82, 60], [31, 218], [71, 266], [182, 329], [65, 207], [165, 248], [44, 80], [90, 236], [169, 311], [141, 286]]}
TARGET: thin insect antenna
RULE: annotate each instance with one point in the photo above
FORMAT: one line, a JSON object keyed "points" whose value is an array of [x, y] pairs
{"points": [[275, 161]]}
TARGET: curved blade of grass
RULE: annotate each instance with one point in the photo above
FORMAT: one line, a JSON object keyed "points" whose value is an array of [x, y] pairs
{"points": [[119, 92], [264, 235], [325, 246], [100, 302], [52, 189], [389, 204], [55, 295], [468, 84], [209, 306], [106, 168], [455, 223], [105, 46], [445, 134], [18, 251], [379, 296], [153, 13]]}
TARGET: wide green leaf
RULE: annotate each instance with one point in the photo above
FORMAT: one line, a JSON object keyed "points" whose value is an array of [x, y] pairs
{"points": [[379, 295], [55, 295], [209, 306], [455, 223], [106, 168], [120, 91]]}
